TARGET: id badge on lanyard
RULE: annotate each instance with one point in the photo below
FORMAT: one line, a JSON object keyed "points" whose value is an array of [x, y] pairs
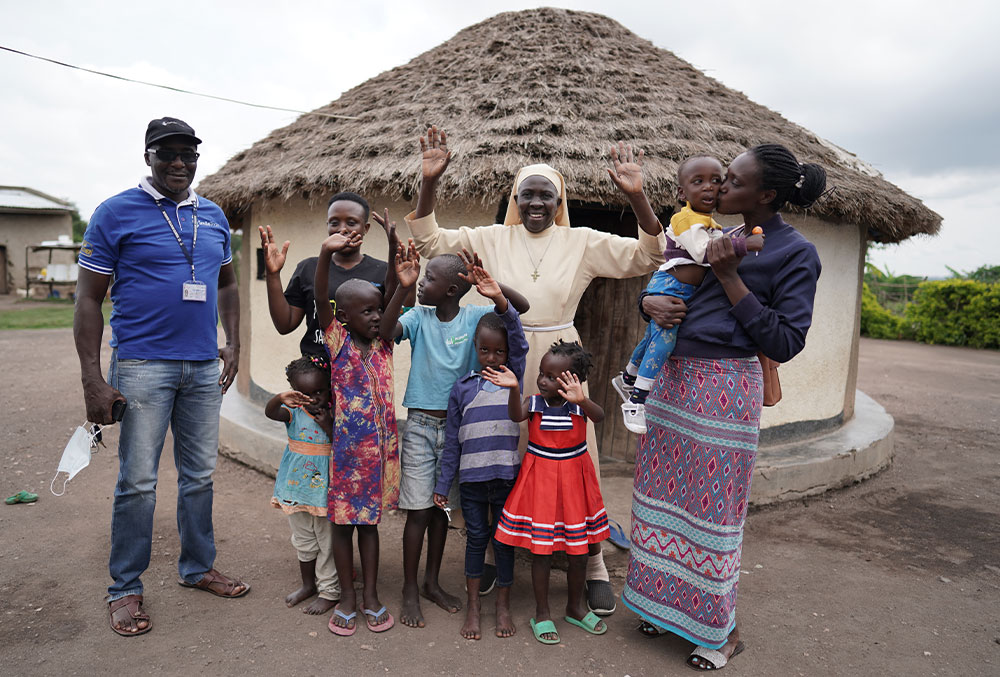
{"points": [[193, 289]]}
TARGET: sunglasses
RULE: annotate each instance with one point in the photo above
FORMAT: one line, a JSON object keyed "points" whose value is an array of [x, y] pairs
{"points": [[164, 155]]}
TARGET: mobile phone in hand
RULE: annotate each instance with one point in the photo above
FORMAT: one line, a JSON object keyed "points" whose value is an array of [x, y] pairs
{"points": [[118, 410]]}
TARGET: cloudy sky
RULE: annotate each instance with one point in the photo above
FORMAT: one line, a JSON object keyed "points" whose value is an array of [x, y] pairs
{"points": [[910, 87]]}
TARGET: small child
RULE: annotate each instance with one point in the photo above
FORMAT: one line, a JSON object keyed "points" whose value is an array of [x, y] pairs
{"points": [[556, 503], [364, 464], [301, 485], [690, 230], [440, 332], [481, 447]]}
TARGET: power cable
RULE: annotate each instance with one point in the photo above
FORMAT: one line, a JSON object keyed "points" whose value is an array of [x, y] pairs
{"points": [[177, 89]]}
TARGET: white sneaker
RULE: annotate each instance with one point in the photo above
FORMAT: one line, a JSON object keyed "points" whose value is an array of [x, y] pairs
{"points": [[635, 417], [623, 389]]}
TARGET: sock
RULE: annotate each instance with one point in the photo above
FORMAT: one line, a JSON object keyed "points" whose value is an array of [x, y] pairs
{"points": [[638, 396], [628, 378], [596, 571]]}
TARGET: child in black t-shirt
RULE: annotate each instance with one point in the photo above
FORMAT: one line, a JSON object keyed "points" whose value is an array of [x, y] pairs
{"points": [[347, 213]]}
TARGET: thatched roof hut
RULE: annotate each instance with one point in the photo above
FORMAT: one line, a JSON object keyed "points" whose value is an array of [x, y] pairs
{"points": [[545, 85], [557, 86]]}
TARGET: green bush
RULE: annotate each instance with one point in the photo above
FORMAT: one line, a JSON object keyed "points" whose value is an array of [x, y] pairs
{"points": [[956, 312], [876, 321]]}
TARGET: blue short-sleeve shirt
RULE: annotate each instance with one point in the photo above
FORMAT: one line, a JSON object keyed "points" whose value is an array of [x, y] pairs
{"points": [[442, 352], [128, 238]]}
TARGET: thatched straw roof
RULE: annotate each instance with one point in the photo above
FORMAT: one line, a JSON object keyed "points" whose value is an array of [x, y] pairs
{"points": [[547, 85]]}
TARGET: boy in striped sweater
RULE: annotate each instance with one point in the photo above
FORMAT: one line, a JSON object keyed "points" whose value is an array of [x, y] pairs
{"points": [[481, 447]]}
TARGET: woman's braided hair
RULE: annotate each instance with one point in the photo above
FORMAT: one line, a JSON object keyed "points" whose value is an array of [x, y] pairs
{"points": [[798, 183]]}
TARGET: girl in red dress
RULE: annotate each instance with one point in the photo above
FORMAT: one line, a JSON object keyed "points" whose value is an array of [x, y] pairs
{"points": [[556, 503]]}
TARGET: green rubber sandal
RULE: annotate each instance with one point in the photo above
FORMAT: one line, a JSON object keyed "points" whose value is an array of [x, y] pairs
{"points": [[21, 497], [544, 627], [589, 623]]}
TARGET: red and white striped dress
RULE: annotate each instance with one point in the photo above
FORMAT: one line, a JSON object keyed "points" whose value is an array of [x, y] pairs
{"points": [[556, 503]]}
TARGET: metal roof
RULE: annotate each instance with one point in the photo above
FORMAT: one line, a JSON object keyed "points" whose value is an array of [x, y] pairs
{"points": [[19, 197]]}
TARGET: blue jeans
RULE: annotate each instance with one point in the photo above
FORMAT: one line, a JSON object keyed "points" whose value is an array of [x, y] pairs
{"points": [[657, 343], [477, 500], [187, 396]]}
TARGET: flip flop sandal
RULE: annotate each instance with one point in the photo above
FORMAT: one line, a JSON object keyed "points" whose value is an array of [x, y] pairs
{"points": [[618, 537], [133, 606], [213, 577], [347, 618], [650, 630], [543, 628], [601, 598], [712, 659], [378, 627], [21, 497], [588, 623]]}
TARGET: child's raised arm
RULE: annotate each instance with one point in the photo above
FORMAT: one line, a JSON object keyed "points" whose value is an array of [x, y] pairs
{"points": [[435, 159], [291, 399], [321, 284], [571, 390], [391, 281], [517, 409], [484, 283], [407, 265], [627, 175]]}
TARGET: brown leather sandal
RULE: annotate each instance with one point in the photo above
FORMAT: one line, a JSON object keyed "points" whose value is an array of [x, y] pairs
{"points": [[133, 607], [218, 584]]}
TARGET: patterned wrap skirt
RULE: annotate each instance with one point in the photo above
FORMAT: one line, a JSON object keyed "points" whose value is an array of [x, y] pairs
{"points": [[689, 500]]}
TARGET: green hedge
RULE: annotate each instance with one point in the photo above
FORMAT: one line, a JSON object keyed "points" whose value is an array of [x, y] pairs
{"points": [[878, 322], [956, 312]]}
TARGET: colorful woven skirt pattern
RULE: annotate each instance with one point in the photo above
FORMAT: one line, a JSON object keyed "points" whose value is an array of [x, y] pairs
{"points": [[692, 480]]}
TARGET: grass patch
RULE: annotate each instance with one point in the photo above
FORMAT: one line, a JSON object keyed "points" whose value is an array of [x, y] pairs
{"points": [[47, 315]]}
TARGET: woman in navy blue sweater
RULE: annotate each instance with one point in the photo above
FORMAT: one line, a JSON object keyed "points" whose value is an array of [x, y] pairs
{"points": [[693, 466]]}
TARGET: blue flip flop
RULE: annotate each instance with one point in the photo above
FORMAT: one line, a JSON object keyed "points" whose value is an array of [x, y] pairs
{"points": [[618, 536]]}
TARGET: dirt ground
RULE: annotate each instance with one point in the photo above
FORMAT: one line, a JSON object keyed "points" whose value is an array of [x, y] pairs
{"points": [[897, 575]]}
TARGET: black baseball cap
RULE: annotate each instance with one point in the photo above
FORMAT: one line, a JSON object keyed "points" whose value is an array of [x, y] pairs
{"points": [[161, 128]]}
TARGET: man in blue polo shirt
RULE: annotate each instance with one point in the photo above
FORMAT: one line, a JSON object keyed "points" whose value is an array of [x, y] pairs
{"points": [[166, 253]]}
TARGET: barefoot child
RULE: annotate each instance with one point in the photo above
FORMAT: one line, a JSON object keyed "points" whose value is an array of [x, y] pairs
{"points": [[440, 333], [364, 464], [556, 503], [691, 229], [301, 485], [481, 447]]}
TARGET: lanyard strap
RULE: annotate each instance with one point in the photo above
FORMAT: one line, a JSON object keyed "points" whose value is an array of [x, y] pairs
{"points": [[194, 238]]}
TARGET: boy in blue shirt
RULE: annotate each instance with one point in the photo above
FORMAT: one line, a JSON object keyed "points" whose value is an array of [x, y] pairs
{"points": [[440, 332], [481, 448]]}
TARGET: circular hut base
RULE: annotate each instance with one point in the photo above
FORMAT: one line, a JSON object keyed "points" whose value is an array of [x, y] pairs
{"points": [[787, 471]]}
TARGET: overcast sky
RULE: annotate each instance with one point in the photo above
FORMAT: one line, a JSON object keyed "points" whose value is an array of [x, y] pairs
{"points": [[910, 87]]}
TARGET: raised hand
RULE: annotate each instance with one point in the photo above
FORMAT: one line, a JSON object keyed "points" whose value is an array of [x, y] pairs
{"points": [[627, 170], [436, 156], [388, 226], [407, 265], [501, 376], [274, 258], [471, 261], [336, 242], [570, 388], [293, 399]]}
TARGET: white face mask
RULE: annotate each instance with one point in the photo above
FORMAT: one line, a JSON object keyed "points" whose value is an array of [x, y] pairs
{"points": [[76, 455]]}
